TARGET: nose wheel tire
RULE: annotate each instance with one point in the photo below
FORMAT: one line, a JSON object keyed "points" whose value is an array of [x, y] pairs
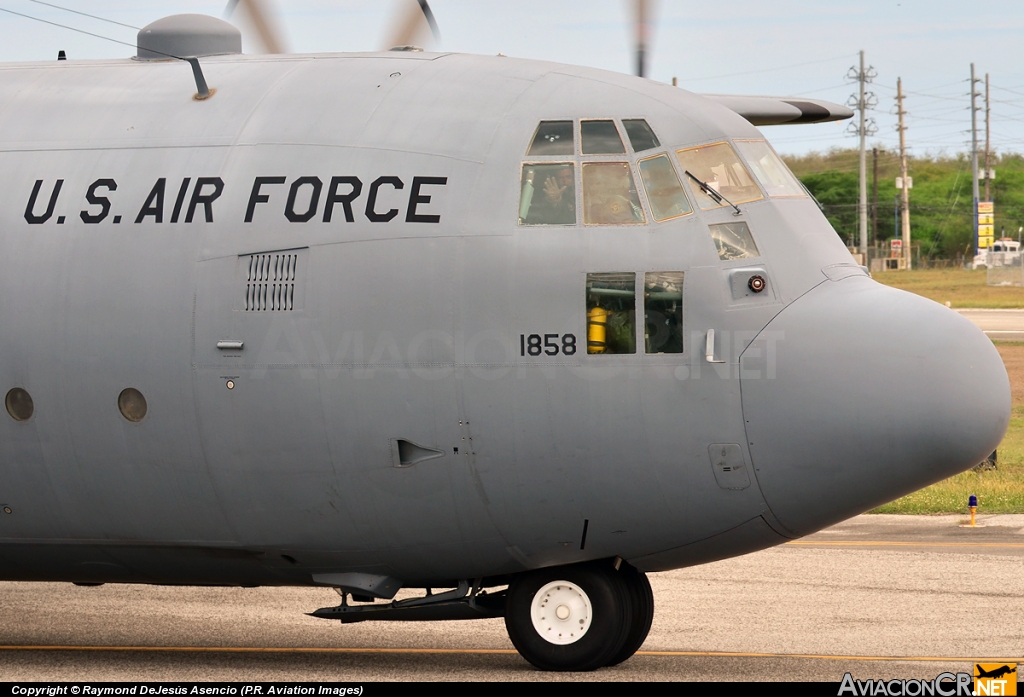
{"points": [[642, 599], [571, 617]]}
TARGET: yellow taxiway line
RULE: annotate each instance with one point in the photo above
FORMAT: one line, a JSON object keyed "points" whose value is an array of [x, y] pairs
{"points": [[343, 650]]}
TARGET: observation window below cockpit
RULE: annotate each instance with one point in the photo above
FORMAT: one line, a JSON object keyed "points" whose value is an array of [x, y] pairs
{"points": [[641, 136], [553, 138], [663, 312], [734, 241], [609, 195], [611, 313], [601, 138], [548, 194], [770, 170], [718, 166], [664, 192]]}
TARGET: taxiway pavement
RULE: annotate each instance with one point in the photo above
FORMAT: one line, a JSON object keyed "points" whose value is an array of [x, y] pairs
{"points": [[878, 596], [998, 325]]}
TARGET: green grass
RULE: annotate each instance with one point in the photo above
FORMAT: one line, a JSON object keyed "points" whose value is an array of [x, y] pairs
{"points": [[998, 491], [959, 287]]}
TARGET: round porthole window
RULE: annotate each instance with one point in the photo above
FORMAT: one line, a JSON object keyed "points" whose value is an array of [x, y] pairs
{"points": [[19, 404], [132, 404]]}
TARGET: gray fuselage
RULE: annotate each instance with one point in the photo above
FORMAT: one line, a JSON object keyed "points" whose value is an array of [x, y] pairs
{"points": [[384, 416]]}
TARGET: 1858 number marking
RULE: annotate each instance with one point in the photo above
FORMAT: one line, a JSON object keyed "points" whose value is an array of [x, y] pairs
{"points": [[547, 344]]}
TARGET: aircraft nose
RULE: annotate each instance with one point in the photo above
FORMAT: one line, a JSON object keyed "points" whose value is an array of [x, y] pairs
{"points": [[857, 394]]}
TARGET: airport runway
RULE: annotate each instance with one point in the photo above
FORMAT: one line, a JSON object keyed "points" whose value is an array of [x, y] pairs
{"points": [[879, 596], [999, 325]]}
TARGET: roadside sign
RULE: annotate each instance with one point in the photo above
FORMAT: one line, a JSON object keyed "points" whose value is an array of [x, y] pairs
{"points": [[986, 224]]}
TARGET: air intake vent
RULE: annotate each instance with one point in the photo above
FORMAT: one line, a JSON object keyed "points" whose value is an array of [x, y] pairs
{"points": [[271, 282], [405, 453]]}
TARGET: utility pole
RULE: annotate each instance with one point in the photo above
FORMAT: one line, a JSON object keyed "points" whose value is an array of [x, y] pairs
{"points": [[874, 197], [988, 142], [905, 194], [862, 101], [974, 155]]}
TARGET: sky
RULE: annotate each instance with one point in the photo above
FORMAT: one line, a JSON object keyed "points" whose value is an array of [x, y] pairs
{"points": [[781, 48]]}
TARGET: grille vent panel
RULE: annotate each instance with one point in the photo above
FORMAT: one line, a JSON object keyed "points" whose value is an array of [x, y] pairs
{"points": [[270, 284]]}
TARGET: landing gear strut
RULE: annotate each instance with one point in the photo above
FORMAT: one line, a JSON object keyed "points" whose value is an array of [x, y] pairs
{"points": [[579, 617]]}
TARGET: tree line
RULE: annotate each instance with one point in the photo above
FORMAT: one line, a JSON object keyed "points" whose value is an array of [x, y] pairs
{"points": [[941, 200]]}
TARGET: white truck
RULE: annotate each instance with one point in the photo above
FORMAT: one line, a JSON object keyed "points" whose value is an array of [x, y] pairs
{"points": [[1003, 252]]}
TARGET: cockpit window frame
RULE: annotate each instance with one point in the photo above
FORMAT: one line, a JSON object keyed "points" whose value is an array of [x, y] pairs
{"points": [[630, 157]]}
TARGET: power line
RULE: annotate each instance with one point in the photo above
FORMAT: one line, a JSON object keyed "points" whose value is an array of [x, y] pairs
{"points": [[80, 31], [766, 70], [84, 14], [192, 61]]}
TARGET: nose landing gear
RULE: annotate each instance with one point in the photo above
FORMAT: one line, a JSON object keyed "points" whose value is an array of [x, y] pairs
{"points": [[579, 617]]}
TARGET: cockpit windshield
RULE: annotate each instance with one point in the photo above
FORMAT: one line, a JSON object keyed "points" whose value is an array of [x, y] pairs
{"points": [[769, 169], [609, 195], [720, 168], [664, 192], [548, 194]]}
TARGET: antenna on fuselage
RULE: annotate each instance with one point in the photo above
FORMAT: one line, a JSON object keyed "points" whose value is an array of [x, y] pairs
{"points": [[188, 38]]}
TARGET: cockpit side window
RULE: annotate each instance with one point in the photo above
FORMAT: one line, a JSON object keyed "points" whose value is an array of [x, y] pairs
{"points": [[734, 241], [769, 169], [611, 313], [609, 195], [641, 137], [548, 194], [718, 166], [664, 192], [663, 312], [552, 138], [601, 138]]}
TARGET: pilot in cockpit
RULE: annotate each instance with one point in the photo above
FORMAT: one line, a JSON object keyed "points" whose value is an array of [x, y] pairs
{"points": [[609, 197], [557, 206]]}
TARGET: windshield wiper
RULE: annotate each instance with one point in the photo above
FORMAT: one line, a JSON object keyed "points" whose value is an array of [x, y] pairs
{"points": [[712, 194]]}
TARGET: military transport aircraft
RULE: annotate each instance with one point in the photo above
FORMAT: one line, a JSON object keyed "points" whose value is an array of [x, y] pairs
{"points": [[512, 332]]}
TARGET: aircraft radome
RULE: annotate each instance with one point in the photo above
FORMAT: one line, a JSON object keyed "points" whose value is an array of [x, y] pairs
{"points": [[414, 320]]}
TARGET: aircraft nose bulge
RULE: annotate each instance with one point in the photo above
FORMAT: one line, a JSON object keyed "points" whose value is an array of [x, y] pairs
{"points": [[874, 393]]}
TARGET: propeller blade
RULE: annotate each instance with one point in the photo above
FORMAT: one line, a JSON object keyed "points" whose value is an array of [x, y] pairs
{"points": [[430, 19], [410, 24], [642, 15], [263, 21]]}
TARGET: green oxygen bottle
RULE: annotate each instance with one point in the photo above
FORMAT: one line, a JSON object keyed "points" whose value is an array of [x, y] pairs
{"points": [[527, 196]]}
